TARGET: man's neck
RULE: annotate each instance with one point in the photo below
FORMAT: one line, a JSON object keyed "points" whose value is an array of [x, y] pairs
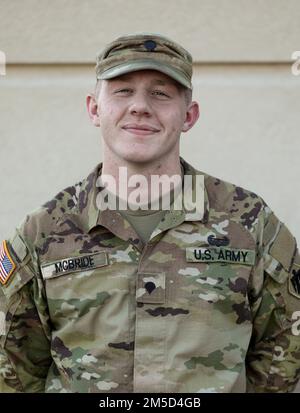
{"points": [[128, 175]]}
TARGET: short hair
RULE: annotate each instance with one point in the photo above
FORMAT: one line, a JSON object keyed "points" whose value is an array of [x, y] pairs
{"points": [[188, 93]]}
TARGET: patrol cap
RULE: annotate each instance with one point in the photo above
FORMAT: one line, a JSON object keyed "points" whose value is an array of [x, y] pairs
{"points": [[141, 51]]}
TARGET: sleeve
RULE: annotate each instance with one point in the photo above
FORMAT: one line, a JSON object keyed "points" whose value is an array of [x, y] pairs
{"points": [[273, 357], [25, 355]]}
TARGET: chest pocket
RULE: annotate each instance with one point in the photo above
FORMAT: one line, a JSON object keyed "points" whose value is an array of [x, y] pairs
{"points": [[84, 290]]}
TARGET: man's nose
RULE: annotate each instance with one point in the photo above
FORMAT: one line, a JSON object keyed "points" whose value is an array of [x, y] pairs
{"points": [[140, 105]]}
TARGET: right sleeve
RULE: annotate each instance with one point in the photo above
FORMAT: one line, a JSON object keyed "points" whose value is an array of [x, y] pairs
{"points": [[25, 355], [273, 357]]}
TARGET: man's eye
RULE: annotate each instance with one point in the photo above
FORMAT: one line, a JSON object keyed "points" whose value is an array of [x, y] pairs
{"points": [[159, 93], [123, 91]]}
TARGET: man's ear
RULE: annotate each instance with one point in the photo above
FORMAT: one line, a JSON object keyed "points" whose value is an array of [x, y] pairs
{"points": [[92, 108], [192, 115]]}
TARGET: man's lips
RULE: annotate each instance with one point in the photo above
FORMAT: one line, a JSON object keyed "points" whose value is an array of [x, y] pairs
{"points": [[140, 129]]}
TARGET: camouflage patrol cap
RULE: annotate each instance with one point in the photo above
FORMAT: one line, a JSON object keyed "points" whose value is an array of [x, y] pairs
{"points": [[142, 51]]}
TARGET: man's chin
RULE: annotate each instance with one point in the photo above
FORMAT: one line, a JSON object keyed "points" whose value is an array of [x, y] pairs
{"points": [[139, 158]]}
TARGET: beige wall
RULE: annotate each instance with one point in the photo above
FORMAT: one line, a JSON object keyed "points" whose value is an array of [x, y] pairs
{"points": [[248, 132]]}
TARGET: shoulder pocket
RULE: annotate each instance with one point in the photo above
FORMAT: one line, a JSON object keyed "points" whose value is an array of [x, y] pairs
{"points": [[275, 269], [283, 247]]}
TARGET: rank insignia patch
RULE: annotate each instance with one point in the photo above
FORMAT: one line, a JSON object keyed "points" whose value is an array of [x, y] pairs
{"points": [[7, 265]]}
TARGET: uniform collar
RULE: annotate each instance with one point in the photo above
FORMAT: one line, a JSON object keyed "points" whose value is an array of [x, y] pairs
{"points": [[89, 215]]}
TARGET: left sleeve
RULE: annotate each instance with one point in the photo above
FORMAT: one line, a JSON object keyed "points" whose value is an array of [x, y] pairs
{"points": [[25, 331], [273, 358]]}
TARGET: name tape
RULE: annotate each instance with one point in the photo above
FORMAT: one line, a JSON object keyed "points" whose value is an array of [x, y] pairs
{"points": [[74, 264]]}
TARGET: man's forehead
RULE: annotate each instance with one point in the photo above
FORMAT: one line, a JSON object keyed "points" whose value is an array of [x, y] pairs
{"points": [[153, 76]]}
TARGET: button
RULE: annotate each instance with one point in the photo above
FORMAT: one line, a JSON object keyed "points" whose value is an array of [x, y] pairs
{"points": [[150, 45]]}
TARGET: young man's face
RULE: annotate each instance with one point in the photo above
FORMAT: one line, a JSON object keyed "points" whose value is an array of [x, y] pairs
{"points": [[141, 115]]}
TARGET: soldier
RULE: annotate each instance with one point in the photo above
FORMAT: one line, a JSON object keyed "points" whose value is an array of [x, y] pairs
{"points": [[96, 299]]}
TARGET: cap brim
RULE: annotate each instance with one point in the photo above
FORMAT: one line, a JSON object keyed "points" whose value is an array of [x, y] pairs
{"points": [[133, 66]]}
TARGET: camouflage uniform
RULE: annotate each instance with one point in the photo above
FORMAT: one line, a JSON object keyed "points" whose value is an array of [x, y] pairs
{"points": [[160, 319]]}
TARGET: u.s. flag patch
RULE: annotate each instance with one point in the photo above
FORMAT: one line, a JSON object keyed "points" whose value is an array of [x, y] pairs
{"points": [[7, 265]]}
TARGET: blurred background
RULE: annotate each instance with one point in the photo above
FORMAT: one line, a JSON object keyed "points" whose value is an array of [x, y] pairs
{"points": [[248, 131]]}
